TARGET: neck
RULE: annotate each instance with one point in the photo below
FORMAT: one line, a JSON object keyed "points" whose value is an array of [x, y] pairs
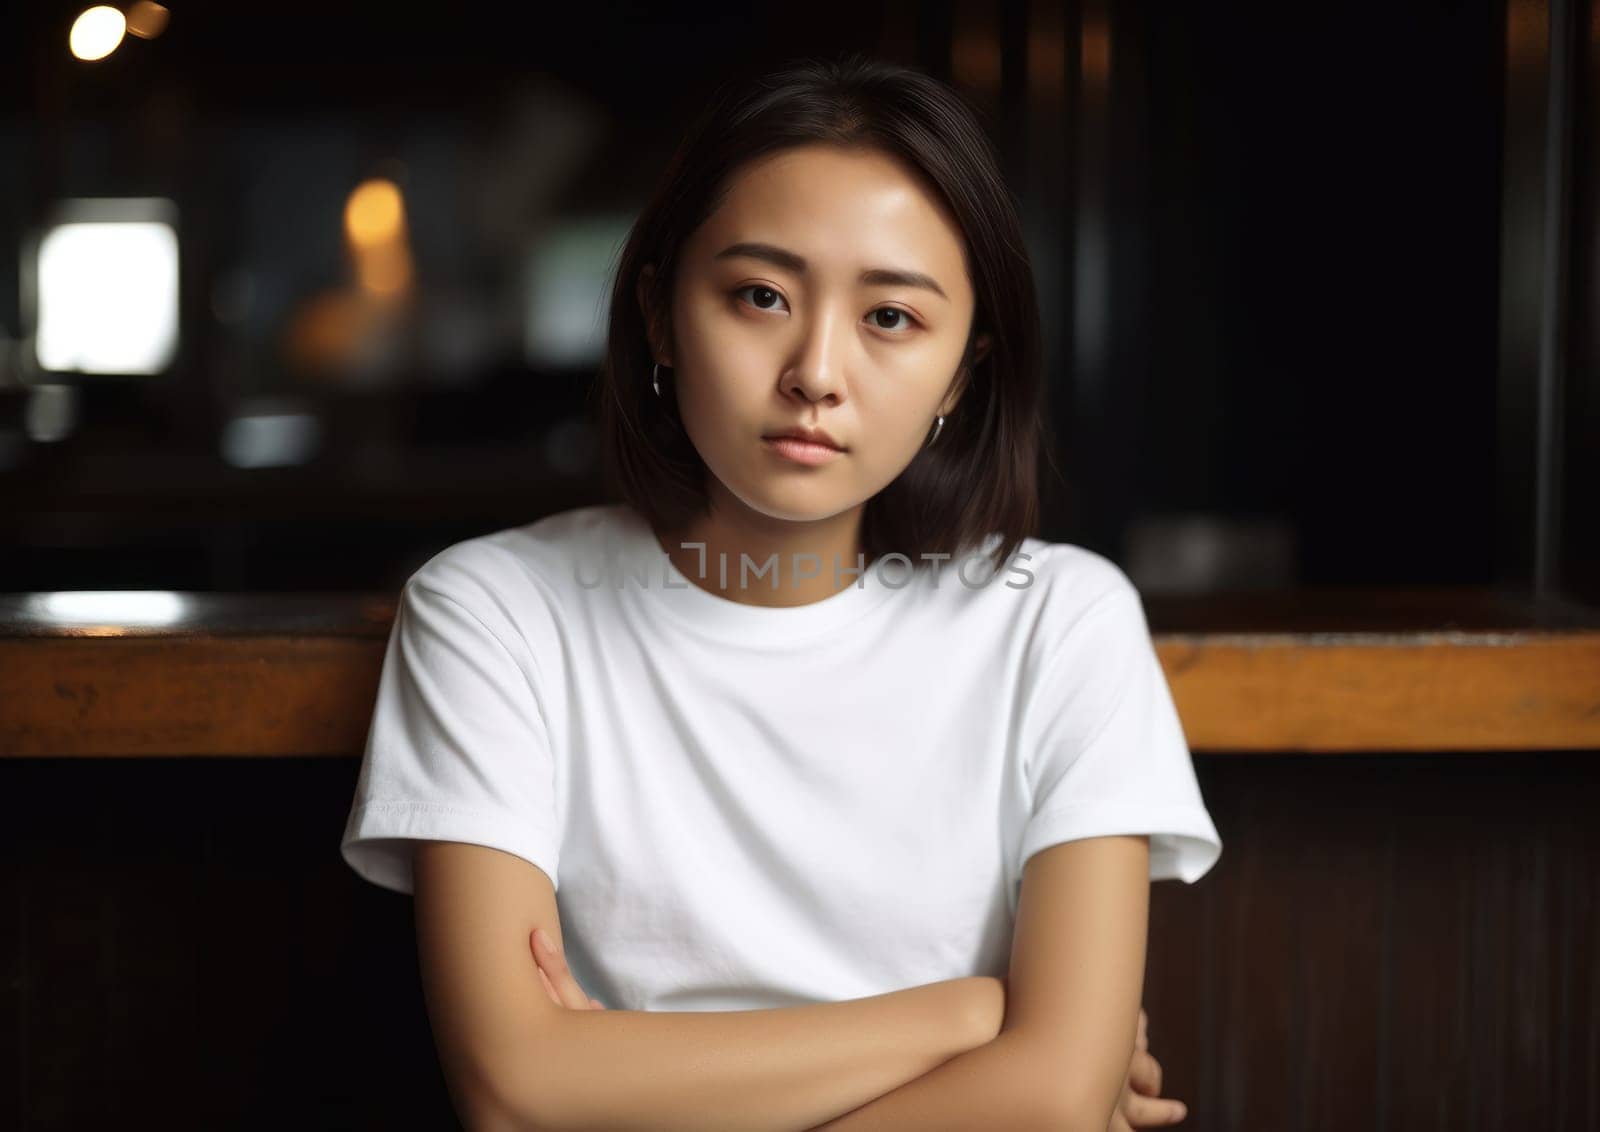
{"points": [[731, 530]]}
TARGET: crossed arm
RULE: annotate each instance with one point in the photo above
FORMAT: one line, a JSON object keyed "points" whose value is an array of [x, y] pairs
{"points": [[1060, 1059], [1048, 1051]]}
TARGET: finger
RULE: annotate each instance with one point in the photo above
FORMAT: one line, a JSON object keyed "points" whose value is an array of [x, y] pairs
{"points": [[1119, 1123], [1144, 1074], [589, 1002], [554, 992], [1153, 1112], [549, 987], [554, 964]]}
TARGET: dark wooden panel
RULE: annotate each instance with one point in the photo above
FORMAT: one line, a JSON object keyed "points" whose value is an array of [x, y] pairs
{"points": [[1246, 1047], [14, 1005], [1337, 884], [192, 952], [1389, 941]]}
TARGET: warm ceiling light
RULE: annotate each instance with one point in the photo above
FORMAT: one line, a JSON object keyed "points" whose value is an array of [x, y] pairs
{"points": [[375, 213], [96, 32], [147, 20]]}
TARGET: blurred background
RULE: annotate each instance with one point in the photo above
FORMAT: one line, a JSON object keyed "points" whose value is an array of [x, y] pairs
{"points": [[292, 297]]}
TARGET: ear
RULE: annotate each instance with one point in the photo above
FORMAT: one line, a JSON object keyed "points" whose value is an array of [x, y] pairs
{"points": [[980, 348], [963, 378], [958, 386], [660, 351]]}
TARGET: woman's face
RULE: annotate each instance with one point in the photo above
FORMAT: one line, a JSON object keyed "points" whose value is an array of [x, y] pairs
{"points": [[828, 291]]}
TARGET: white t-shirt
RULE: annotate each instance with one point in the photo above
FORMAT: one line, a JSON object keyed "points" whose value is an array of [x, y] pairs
{"points": [[748, 806]]}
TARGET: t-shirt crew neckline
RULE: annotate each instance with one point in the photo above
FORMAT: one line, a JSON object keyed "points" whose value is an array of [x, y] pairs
{"points": [[667, 588]]}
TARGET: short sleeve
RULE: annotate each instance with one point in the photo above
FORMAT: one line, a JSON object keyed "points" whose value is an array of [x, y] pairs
{"points": [[1103, 749], [457, 749]]}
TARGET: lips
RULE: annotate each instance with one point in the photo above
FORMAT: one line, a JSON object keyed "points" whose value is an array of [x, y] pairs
{"points": [[802, 451], [809, 435]]}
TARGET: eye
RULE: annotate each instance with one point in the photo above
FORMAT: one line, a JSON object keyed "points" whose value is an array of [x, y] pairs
{"points": [[760, 289], [905, 323], [765, 295]]}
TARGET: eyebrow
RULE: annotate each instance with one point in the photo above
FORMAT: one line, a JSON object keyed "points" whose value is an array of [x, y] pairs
{"points": [[873, 276]]}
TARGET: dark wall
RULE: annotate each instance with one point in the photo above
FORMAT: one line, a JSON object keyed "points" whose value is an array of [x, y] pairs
{"points": [[1272, 252]]}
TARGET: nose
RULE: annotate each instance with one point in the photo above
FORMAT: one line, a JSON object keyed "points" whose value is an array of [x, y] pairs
{"points": [[817, 370]]}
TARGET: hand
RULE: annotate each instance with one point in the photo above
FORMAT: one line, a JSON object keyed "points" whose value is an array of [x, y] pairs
{"points": [[1141, 1105], [559, 982]]}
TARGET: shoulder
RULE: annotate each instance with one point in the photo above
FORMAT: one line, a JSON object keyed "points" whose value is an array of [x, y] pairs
{"points": [[1075, 601], [1067, 567], [1065, 581], [542, 552], [1040, 584], [520, 578]]}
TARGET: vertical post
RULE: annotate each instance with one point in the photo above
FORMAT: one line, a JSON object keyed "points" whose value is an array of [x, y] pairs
{"points": [[1103, 265], [1534, 235]]}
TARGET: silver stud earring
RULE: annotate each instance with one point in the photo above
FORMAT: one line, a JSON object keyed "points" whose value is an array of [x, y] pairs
{"points": [[938, 424]]}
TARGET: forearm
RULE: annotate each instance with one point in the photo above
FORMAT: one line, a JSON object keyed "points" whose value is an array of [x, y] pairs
{"points": [[784, 1069], [1000, 1084]]}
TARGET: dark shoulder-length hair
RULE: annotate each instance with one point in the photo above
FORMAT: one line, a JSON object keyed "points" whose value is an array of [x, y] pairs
{"points": [[981, 477]]}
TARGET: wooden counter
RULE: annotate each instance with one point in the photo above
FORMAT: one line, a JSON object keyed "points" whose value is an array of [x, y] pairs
{"points": [[1314, 670]]}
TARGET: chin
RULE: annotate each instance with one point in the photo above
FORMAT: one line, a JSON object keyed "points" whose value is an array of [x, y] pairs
{"points": [[797, 502]]}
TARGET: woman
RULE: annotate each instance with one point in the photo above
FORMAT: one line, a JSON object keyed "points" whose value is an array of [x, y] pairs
{"points": [[852, 788]]}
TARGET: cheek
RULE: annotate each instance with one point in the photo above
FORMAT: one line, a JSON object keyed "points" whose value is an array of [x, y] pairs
{"points": [[720, 351], [720, 402], [722, 388], [897, 407]]}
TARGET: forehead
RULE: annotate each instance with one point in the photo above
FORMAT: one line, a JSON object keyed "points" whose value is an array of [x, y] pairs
{"points": [[839, 208]]}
